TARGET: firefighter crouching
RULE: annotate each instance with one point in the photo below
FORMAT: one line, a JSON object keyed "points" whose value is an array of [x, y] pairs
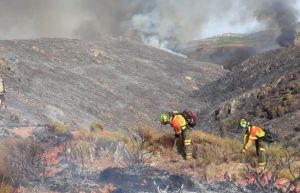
{"points": [[254, 134], [181, 123]]}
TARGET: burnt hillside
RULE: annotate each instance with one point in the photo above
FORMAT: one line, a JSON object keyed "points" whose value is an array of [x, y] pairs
{"points": [[264, 89], [113, 81]]}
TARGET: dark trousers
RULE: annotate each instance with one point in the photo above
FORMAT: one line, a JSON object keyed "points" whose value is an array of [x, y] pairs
{"points": [[187, 140], [261, 152]]}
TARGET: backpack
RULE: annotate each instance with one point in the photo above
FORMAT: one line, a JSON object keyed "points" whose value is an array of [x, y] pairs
{"points": [[268, 138], [190, 117]]}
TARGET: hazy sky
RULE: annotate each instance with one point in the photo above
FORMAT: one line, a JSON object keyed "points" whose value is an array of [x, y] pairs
{"points": [[225, 25], [152, 20]]}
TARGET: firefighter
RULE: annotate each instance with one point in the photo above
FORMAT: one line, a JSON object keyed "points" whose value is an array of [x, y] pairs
{"points": [[2, 90], [181, 128], [254, 134]]}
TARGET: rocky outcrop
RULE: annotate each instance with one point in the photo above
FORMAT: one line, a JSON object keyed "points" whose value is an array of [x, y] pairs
{"points": [[264, 89]]}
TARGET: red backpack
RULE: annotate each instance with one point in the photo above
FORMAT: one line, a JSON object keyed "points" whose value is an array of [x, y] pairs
{"points": [[190, 117]]}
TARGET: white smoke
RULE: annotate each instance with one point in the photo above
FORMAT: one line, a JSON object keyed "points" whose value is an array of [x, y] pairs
{"points": [[159, 23], [147, 25], [171, 23]]}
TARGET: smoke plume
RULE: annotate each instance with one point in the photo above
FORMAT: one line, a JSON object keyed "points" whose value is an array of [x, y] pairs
{"points": [[283, 16], [161, 23]]}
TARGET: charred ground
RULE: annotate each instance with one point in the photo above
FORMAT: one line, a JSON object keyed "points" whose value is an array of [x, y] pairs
{"points": [[113, 81]]}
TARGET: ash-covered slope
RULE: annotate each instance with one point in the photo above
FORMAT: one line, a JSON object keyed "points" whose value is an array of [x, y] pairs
{"points": [[113, 81], [264, 88]]}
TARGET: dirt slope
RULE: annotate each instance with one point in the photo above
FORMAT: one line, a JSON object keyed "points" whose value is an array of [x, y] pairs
{"points": [[111, 81]]}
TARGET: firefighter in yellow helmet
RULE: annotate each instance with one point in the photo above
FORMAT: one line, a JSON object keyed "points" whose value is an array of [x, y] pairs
{"points": [[181, 128], [254, 134]]}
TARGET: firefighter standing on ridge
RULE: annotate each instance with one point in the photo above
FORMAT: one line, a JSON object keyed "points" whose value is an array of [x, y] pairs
{"points": [[254, 134], [181, 123]]}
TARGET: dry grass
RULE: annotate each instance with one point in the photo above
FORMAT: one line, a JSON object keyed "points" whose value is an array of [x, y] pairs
{"points": [[58, 129], [221, 155], [5, 181], [290, 173], [200, 137], [277, 155], [95, 127], [5, 148], [214, 155], [211, 152], [236, 170], [211, 149], [6, 188], [87, 134], [285, 173]]}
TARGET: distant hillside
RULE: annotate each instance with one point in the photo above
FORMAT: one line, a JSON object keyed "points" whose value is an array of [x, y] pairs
{"points": [[228, 56], [230, 50], [113, 82]]}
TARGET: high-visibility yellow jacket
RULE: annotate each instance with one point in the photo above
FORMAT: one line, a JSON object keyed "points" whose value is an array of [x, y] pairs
{"points": [[252, 134], [178, 123]]}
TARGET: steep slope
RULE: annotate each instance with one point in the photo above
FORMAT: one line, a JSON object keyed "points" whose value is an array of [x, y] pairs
{"points": [[264, 89], [111, 81]]}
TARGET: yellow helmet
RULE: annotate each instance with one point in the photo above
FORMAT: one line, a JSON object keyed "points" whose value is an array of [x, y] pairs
{"points": [[244, 123], [164, 118]]}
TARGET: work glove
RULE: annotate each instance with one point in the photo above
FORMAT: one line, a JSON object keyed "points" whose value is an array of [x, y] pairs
{"points": [[243, 150]]}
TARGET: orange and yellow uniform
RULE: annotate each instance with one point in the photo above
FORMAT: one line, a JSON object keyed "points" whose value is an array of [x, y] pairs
{"points": [[252, 135], [181, 127]]}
